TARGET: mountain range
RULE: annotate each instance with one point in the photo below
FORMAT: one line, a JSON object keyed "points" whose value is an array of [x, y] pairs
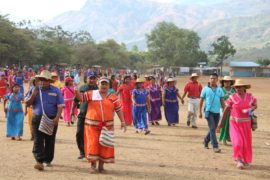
{"points": [[246, 22]]}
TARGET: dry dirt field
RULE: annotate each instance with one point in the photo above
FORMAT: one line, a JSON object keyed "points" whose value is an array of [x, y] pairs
{"points": [[167, 153]]}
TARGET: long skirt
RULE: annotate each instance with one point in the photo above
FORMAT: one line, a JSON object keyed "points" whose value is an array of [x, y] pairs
{"points": [[225, 130], [155, 114], [93, 150], [139, 117], [15, 124], [241, 139], [171, 112], [67, 110], [127, 111]]}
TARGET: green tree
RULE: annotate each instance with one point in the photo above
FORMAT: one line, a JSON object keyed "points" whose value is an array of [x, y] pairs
{"points": [[222, 50], [263, 62], [170, 45]]}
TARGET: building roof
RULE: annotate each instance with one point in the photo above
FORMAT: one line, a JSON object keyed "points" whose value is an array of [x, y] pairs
{"points": [[243, 64]]}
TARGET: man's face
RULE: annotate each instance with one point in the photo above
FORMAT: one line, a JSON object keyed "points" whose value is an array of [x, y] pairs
{"points": [[92, 80], [213, 80]]}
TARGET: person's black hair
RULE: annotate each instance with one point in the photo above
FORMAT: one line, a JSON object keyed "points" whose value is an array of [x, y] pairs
{"points": [[135, 76], [15, 85], [111, 82], [112, 76], [126, 78], [214, 74]]}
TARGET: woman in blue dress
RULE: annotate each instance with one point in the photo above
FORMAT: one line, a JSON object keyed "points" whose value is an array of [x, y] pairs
{"points": [[141, 103], [170, 102], [14, 113]]}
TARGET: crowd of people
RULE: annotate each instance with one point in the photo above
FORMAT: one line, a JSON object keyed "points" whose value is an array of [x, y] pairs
{"points": [[137, 101]]}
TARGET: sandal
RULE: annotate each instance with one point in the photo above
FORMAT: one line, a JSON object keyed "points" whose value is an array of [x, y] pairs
{"points": [[93, 170]]}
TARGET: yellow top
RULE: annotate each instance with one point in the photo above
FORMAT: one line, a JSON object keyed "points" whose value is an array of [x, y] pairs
{"points": [[57, 84]]}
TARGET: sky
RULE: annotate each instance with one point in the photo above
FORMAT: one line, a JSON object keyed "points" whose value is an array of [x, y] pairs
{"points": [[40, 9]]}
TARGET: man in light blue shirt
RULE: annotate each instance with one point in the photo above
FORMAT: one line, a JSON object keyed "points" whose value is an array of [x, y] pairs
{"points": [[213, 97]]}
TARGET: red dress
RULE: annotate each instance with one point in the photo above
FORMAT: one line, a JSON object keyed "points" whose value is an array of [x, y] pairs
{"points": [[126, 102], [3, 88]]}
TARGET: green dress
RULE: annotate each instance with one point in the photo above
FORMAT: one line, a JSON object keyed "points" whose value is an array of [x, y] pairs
{"points": [[224, 130]]}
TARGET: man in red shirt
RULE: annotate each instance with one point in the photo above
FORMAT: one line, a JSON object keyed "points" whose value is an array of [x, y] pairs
{"points": [[193, 90]]}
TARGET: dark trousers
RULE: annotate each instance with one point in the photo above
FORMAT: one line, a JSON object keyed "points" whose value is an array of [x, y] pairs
{"points": [[43, 148], [80, 133], [212, 120]]}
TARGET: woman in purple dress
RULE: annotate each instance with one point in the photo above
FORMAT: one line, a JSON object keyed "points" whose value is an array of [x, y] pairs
{"points": [[155, 100], [170, 102]]}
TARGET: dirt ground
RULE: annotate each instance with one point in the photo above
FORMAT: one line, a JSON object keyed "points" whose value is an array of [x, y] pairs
{"points": [[167, 153]]}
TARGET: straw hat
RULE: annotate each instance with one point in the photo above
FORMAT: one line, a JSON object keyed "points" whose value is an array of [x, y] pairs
{"points": [[46, 75], [140, 80], [240, 82], [170, 80], [194, 75], [227, 78], [54, 74]]}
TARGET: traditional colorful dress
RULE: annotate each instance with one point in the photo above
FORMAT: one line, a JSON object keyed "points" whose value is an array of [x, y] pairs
{"points": [[171, 105], [139, 109], [99, 110], [224, 130], [126, 102], [156, 102], [15, 115], [240, 126], [3, 87], [68, 94]]}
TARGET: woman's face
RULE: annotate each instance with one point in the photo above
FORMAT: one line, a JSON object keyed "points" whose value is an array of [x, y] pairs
{"points": [[171, 84], [103, 87], [153, 81], [16, 89], [227, 84], [127, 80], [140, 85], [240, 89]]}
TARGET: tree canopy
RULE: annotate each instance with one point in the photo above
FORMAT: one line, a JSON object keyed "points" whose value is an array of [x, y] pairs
{"points": [[171, 45]]}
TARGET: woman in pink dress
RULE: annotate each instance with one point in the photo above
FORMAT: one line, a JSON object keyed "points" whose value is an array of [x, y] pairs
{"points": [[68, 94], [241, 104]]}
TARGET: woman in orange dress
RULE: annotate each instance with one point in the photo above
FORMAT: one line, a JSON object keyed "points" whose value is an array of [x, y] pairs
{"points": [[101, 107]]}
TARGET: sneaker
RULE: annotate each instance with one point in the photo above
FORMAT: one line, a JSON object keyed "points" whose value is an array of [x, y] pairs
{"points": [[39, 166], [188, 123], [216, 150]]}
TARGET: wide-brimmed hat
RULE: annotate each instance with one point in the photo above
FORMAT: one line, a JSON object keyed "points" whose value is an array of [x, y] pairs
{"points": [[171, 80], [146, 76], [240, 82], [46, 75], [54, 74], [140, 80], [227, 78], [152, 77], [194, 75], [103, 79]]}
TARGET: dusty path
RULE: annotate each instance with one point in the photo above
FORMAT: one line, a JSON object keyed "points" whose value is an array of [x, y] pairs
{"points": [[167, 153]]}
